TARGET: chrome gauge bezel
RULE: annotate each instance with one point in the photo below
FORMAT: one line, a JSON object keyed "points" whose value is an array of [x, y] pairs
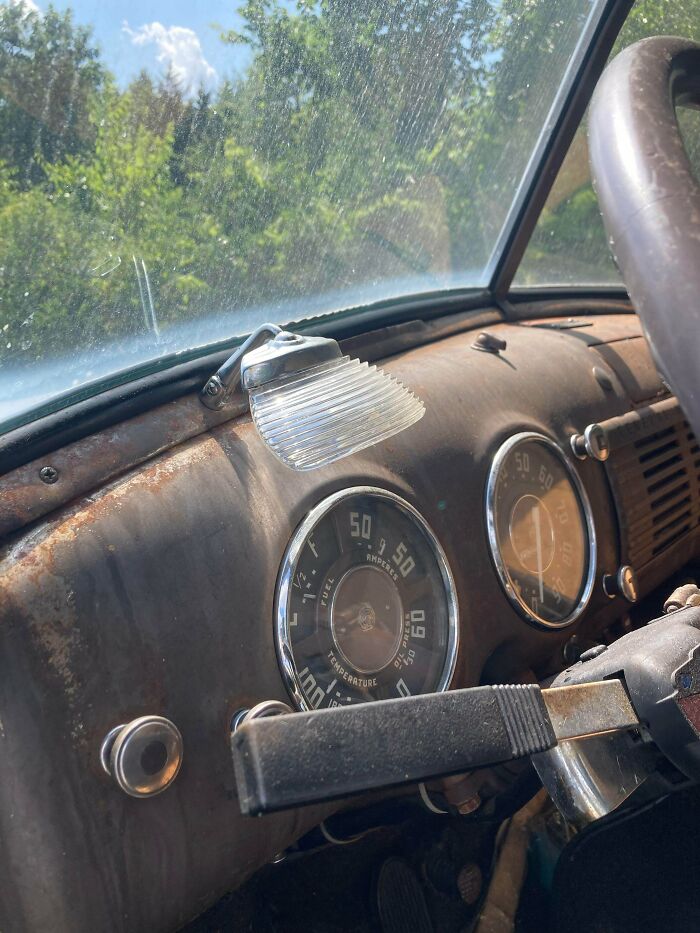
{"points": [[500, 456], [287, 570]]}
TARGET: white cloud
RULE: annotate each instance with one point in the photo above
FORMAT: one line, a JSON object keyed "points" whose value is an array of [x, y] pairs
{"points": [[178, 48]]}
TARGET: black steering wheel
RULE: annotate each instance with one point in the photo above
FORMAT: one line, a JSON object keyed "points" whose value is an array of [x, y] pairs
{"points": [[650, 199]]}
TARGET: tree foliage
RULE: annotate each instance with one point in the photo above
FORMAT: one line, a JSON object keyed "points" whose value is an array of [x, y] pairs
{"points": [[367, 142], [49, 76]]}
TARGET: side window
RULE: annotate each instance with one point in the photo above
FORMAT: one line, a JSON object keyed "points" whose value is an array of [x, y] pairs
{"points": [[569, 245]]}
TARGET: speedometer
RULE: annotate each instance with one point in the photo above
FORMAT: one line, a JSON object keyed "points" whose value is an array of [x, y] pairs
{"points": [[366, 606], [541, 530]]}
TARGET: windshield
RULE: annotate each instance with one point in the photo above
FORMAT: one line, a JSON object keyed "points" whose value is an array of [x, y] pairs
{"points": [[172, 174]]}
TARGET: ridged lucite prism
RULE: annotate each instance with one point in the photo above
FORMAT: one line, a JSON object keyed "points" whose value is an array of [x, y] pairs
{"points": [[315, 417]]}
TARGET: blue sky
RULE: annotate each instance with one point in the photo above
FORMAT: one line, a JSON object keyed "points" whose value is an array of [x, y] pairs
{"points": [[135, 34]]}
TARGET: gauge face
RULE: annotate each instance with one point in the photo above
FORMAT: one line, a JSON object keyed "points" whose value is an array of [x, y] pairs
{"points": [[540, 530], [366, 608]]}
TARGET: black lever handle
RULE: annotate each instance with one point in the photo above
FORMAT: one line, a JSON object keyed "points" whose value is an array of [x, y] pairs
{"points": [[302, 758]]}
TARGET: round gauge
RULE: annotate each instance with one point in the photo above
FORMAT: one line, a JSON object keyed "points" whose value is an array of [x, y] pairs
{"points": [[366, 606], [540, 530]]}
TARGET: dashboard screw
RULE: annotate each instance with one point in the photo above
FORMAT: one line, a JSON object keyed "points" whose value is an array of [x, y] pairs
{"points": [[48, 475], [489, 343]]}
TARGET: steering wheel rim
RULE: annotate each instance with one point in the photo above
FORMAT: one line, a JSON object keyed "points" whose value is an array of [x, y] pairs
{"points": [[650, 199]]}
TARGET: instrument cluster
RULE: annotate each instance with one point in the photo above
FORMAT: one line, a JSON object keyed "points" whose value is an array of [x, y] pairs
{"points": [[366, 603]]}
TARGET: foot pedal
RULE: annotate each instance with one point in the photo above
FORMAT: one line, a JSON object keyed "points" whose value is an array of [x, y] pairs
{"points": [[400, 899]]}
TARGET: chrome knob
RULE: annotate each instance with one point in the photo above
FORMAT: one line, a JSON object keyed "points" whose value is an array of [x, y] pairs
{"points": [[592, 443], [623, 583], [144, 756], [260, 711]]}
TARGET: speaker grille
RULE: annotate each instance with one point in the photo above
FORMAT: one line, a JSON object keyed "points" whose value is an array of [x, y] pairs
{"points": [[656, 482]]}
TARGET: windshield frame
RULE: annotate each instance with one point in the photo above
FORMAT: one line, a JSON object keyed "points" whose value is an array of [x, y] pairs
{"points": [[567, 111]]}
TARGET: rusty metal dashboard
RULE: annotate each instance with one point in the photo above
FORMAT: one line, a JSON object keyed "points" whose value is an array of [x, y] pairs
{"points": [[151, 591]]}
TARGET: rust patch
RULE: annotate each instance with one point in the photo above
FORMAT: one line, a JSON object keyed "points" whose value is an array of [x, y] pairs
{"points": [[30, 575], [28, 550], [87, 463]]}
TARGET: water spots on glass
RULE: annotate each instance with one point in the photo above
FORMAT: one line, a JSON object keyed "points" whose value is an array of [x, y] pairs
{"points": [[339, 154]]}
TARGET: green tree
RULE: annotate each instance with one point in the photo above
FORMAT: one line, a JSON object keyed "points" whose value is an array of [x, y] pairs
{"points": [[367, 142], [49, 73]]}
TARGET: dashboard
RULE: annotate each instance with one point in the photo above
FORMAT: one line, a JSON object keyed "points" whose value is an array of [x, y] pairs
{"points": [[470, 549]]}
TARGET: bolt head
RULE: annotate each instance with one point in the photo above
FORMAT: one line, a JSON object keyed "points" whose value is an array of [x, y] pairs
{"points": [[603, 379], [48, 475], [592, 653], [212, 388], [489, 342]]}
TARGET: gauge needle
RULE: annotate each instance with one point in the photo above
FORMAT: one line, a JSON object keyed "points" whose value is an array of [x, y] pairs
{"points": [[538, 545]]}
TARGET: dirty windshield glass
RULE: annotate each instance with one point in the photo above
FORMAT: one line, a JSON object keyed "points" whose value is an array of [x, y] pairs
{"points": [[173, 173]]}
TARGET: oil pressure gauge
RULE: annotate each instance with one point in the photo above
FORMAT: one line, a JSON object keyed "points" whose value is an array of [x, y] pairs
{"points": [[540, 530]]}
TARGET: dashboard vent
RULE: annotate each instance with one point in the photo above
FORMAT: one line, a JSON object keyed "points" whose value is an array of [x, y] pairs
{"points": [[656, 482]]}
